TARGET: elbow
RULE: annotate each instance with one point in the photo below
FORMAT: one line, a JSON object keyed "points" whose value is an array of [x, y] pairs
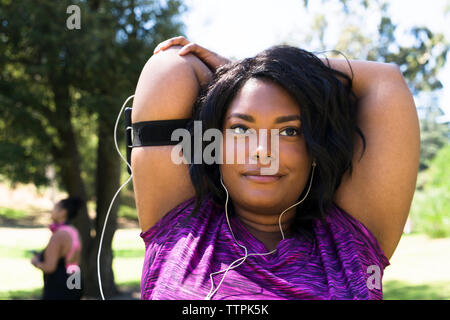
{"points": [[392, 72], [393, 67], [395, 83], [395, 74]]}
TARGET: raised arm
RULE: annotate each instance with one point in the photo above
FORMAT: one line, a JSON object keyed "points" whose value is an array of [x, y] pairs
{"points": [[167, 88], [380, 191]]}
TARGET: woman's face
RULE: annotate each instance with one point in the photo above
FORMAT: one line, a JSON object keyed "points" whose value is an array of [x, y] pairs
{"points": [[59, 214], [259, 105]]}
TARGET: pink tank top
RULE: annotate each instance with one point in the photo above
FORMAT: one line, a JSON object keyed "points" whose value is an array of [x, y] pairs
{"points": [[76, 244]]}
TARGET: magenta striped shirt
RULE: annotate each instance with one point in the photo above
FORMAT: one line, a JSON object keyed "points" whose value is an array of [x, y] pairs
{"points": [[343, 260]]}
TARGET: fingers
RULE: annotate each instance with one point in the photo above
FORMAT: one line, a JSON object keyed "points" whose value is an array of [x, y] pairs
{"points": [[210, 58], [192, 47], [171, 42]]}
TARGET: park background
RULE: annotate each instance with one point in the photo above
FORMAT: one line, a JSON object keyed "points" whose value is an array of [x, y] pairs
{"points": [[61, 90]]}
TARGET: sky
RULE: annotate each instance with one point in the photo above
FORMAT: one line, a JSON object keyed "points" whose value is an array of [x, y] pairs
{"points": [[242, 28]]}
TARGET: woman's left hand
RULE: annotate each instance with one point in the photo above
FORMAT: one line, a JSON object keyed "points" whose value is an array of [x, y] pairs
{"points": [[210, 58], [35, 260]]}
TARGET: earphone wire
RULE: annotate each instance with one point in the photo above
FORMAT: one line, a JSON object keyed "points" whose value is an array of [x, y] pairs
{"points": [[211, 291], [114, 198]]}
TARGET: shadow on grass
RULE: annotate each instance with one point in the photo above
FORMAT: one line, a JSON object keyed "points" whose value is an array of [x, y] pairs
{"points": [[401, 290]]}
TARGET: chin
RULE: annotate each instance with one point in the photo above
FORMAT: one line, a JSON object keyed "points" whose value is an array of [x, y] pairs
{"points": [[260, 199]]}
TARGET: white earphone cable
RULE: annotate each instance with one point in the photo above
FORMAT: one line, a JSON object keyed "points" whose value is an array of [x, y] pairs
{"points": [[114, 198], [211, 291]]}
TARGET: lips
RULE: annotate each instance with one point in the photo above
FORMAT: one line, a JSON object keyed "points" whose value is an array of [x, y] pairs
{"points": [[256, 176]]}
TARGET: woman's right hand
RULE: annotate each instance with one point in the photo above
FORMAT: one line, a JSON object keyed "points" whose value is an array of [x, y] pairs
{"points": [[210, 58]]}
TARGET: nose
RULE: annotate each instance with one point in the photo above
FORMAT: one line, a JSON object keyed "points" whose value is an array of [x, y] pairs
{"points": [[260, 151], [264, 148]]}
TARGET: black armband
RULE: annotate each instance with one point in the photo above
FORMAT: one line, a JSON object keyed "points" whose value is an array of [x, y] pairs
{"points": [[150, 133]]}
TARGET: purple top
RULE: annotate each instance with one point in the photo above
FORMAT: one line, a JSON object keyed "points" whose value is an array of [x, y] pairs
{"points": [[343, 260]]}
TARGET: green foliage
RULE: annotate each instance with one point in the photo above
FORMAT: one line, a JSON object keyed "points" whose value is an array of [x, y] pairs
{"points": [[128, 212], [439, 170], [433, 135], [85, 126], [420, 61], [54, 80], [430, 209]]}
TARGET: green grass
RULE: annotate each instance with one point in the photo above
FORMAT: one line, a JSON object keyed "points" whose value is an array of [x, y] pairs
{"points": [[128, 253], [17, 252], [125, 211], [401, 290], [20, 280], [12, 214], [34, 294]]}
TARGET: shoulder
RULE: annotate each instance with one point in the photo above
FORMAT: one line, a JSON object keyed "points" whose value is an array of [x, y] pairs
{"points": [[182, 219], [68, 232], [350, 237], [59, 240], [61, 235]]}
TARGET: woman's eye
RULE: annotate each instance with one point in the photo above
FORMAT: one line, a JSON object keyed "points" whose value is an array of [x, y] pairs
{"points": [[241, 130], [290, 132]]}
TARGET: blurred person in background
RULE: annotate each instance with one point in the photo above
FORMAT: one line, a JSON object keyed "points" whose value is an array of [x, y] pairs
{"points": [[62, 255]]}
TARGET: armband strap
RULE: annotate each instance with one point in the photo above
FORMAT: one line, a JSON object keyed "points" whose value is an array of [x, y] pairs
{"points": [[150, 133], [156, 133]]}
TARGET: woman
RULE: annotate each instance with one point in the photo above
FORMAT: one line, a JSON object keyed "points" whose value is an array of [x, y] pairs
{"points": [[61, 258], [325, 225]]}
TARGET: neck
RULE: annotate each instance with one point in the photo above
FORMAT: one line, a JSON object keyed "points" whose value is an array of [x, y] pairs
{"points": [[267, 227], [55, 225]]}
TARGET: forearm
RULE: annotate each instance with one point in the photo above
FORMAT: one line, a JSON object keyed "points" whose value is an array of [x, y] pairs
{"points": [[368, 76]]}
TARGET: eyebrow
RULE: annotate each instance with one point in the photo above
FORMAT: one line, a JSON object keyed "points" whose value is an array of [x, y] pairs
{"points": [[249, 118]]}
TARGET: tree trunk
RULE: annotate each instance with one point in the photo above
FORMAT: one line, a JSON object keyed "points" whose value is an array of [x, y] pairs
{"points": [[67, 158], [108, 180]]}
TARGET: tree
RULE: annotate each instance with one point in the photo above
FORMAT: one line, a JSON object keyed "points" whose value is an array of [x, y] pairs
{"points": [[420, 61], [48, 73]]}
